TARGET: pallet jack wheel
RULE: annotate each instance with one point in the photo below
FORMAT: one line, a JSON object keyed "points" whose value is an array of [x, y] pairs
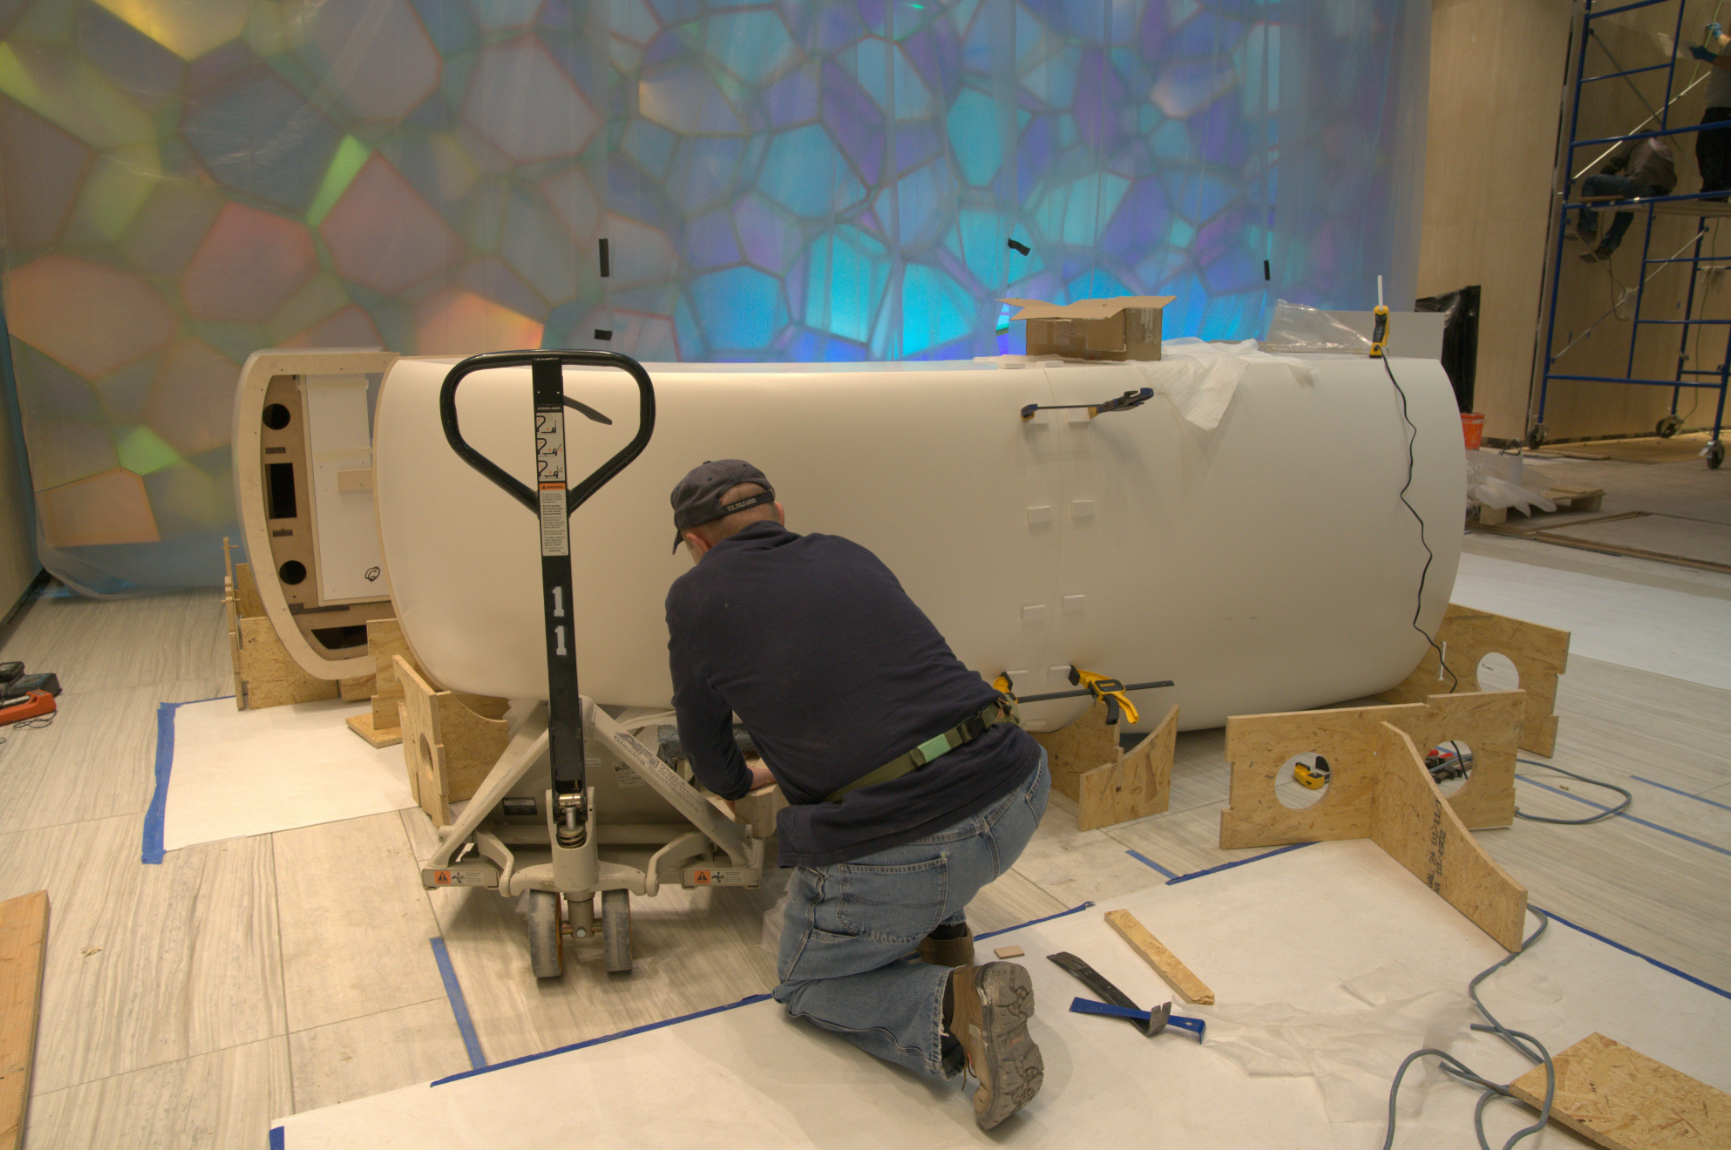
{"points": [[546, 940], [1715, 454], [616, 930], [1668, 426], [1537, 435]]}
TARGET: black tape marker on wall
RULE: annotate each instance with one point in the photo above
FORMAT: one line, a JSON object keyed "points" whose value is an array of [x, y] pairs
{"points": [[1265, 274], [1022, 248], [606, 264], [603, 333]]}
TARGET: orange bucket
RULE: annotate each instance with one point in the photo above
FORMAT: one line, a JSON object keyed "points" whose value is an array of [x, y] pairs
{"points": [[1473, 427]]}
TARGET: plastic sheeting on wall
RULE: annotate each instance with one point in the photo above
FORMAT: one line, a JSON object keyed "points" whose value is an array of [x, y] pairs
{"points": [[183, 184]]}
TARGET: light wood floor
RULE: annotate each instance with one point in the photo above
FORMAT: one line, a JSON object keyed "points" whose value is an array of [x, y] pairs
{"points": [[189, 1004]]}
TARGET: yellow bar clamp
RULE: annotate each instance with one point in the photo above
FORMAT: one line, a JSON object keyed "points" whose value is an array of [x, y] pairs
{"points": [[1109, 691]]}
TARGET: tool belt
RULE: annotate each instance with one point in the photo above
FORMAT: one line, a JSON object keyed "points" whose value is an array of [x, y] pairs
{"points": [[1000, 710]]}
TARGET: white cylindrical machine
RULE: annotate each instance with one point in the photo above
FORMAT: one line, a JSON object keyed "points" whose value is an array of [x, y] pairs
{"points": [[1266, 565]]}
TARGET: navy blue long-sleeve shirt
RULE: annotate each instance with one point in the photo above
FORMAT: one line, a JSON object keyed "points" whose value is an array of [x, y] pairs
{"points": [[834, 671]]}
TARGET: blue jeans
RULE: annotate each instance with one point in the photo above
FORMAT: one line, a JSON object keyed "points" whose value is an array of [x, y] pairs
{"points": [[851, 928], [1623, 188]]}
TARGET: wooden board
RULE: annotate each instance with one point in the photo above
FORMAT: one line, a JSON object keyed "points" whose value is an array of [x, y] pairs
{"points": [[1488, 723], [1624, 1100], [362, 725], [23, 944], [1078, 747], [1089, 766], [1166, 964], [758, 809], [1260, 746], [447, 748], [1539, 654], [384, 643], [265, 675], [1137, 785], [1415, 825]]}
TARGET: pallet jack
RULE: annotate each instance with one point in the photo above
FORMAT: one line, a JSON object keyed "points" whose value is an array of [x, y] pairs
{"points": [[577, 805]]}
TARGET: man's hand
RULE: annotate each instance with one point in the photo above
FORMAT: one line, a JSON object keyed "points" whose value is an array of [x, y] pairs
{"points": [[760, 777], [1705, 55]]}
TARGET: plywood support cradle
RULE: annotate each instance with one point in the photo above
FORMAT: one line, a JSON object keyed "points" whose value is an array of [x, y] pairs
{"points": [[1415, 826], [1109, 785], [1540, 655], [1260, 746], [23, 946], [264, 673], [1380, 789], [1166, 964], [450, 741], [383, 725]]}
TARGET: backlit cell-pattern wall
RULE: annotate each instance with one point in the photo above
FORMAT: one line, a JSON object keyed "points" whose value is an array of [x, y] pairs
{"points": [[184, 182]]}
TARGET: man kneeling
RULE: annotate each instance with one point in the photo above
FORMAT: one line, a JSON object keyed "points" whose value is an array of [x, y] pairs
{"points": [[910, 787]]}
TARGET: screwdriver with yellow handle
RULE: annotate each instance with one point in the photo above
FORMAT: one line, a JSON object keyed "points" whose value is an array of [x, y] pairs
{"points": [[1379, 331]]}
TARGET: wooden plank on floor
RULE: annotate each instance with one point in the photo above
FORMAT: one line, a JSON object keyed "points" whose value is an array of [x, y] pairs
{"points": [[23, 942], [1621, 1099], [1166, 964]]}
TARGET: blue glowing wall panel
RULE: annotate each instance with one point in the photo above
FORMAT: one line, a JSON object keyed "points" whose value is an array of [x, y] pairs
{"points": [[182, 184]]}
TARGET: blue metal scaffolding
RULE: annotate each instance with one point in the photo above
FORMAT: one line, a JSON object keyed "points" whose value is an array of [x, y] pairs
{"points": [[1718, 378]]}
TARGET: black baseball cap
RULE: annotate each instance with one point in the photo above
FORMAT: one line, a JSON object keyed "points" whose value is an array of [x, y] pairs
{"points": [[697, 497]]}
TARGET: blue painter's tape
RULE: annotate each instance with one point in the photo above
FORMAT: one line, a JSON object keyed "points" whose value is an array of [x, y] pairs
{"points": [[276, 1138], [1146, 861], [159, 799], [1666, 967], [459, 1005], [1035, 921], [158, 808], [748, 1001], [1239, 862], [1630, 817], [1685, 794]]}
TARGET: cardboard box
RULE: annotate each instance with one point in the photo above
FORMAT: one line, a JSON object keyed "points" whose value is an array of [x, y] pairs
{"points": [[1123, 327]]}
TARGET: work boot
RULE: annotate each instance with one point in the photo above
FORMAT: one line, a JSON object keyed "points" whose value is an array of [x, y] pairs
{"points": [[952, 944], [992, 1005]]}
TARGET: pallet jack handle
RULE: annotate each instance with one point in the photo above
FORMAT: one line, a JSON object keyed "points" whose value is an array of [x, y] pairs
{"points": [[553, 502], [546, 368]]}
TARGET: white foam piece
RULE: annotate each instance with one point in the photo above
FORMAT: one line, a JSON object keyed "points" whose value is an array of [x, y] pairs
{"points": [[1648, 628], [237, 773], [1290, 933]]}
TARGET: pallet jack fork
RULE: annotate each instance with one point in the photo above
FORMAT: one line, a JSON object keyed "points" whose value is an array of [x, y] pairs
{"points": [[544, 844]]}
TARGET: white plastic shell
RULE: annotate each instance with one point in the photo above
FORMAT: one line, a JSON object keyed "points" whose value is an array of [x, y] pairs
{"points": [[1268, 565]]}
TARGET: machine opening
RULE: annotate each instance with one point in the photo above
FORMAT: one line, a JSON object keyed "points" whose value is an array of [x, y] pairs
{"points": [[341, 638], [280, 490]]}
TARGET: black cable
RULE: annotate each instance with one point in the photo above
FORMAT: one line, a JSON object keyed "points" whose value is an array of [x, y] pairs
{"points": [[1628, 798], [1461, 1072], [1429, 555]]}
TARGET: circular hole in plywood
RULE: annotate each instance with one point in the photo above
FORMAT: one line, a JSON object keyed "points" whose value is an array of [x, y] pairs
{"points": [[1302, 781], [1450, 764], [276, 416], [1497, 673], [292, 572]]}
